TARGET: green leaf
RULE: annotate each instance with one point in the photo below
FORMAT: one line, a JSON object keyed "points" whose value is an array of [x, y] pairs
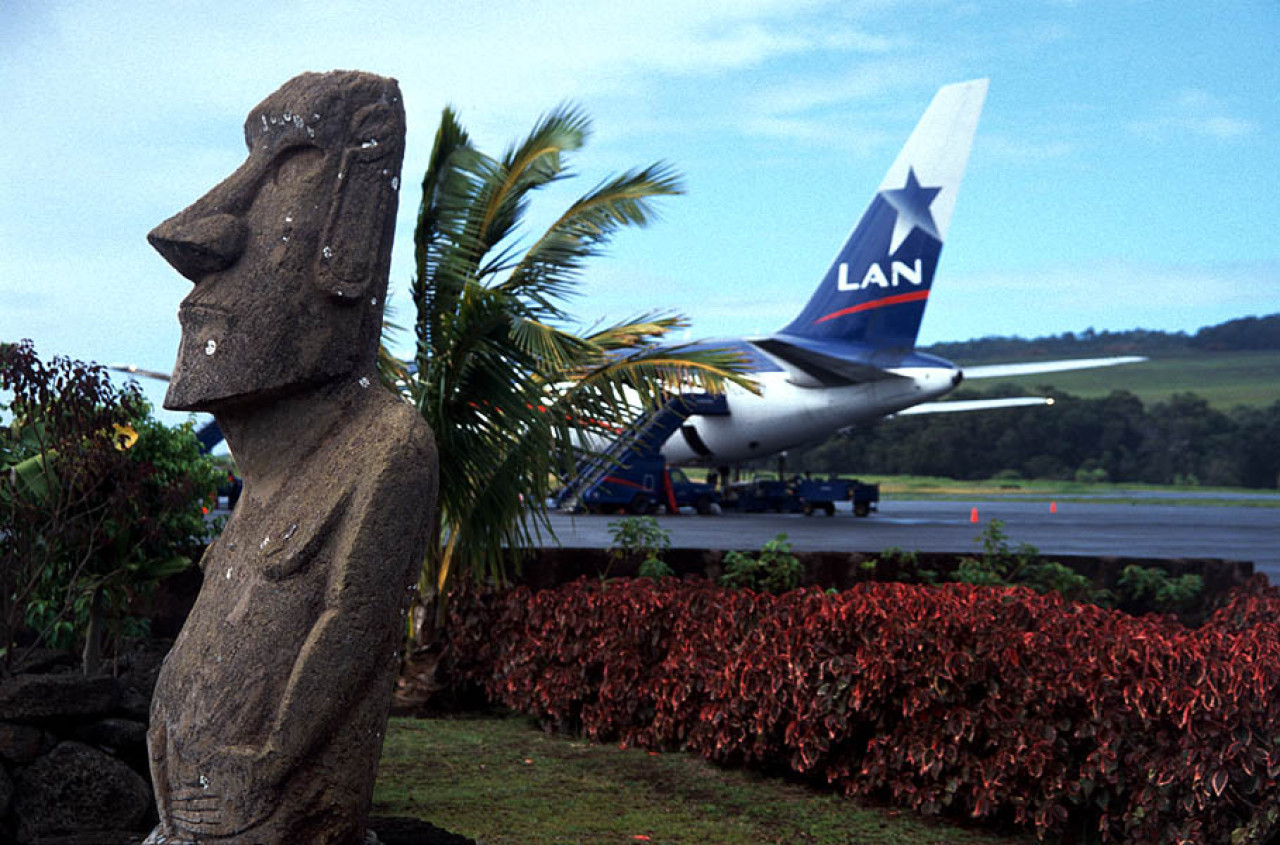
{"points": [[35, 476]]}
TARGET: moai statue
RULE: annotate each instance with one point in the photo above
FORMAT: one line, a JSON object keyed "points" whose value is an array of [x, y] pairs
{"points": [[269, 712]]}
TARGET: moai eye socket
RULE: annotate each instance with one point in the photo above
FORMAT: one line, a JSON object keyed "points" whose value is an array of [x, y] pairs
{"points": [[296, 164]]}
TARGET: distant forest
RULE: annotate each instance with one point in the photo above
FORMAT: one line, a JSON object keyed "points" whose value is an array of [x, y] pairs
{"points": [[1247, 333], [1114, 438]]}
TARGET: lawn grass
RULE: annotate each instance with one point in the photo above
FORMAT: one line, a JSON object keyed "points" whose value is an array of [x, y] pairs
{"points": [[499, 780], [939, 487], [1224, 379]]}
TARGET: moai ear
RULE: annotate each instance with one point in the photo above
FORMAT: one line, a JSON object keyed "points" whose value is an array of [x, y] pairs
{"points": [[357, 235]]}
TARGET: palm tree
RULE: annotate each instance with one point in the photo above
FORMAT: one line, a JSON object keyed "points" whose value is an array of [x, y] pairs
{"points": [[499, 375]]}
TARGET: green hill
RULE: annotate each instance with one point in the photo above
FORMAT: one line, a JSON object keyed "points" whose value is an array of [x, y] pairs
{"points": [[1230, 364], [1224, 379]]}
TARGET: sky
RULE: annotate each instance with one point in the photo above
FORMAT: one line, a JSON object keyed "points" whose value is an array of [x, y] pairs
{"points": [[1120, 178]]}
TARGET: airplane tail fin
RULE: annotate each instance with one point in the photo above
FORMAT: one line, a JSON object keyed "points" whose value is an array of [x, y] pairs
{"points": [[878, 286]]}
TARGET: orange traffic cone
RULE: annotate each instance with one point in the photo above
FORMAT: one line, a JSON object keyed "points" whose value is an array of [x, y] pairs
{"points": [[1053, 507], [973, 515]]}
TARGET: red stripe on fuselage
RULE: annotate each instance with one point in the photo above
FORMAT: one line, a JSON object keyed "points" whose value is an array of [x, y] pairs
{"points": [[913, 296]]}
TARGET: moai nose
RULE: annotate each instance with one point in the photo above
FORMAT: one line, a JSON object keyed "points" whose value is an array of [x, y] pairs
{"points": [[202, 245]]}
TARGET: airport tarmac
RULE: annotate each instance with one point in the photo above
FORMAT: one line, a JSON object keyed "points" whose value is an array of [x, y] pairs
{"points": [[1077, 528]]}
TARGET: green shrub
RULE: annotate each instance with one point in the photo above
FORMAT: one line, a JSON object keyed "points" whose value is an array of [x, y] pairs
{"points": [[1094, 475], [897, 564], [655, 568], [999, 565], [1002, 566], [98, 502], [1150, 588], [776, 570], [980, 572], [1052, 577], [639, 539]]}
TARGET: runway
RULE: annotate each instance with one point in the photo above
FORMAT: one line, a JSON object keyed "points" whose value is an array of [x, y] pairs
{"points": [[1077, 528]]}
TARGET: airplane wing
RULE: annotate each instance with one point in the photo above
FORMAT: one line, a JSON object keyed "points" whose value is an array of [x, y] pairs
{"points": [[1033, 367], [134, 369], [807, 362], [1004, 370], [959, 405]]}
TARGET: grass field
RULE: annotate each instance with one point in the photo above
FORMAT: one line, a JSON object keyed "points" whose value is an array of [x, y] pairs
{"points": [[499, 780], [1225, 379], [937, 487]]}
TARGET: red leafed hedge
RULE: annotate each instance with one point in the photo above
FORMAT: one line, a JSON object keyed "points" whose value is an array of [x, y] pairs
{"points": [[992, 702]]}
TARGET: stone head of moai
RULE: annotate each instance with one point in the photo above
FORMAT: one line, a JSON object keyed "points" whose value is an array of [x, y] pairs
{"points": [[289, 254]]}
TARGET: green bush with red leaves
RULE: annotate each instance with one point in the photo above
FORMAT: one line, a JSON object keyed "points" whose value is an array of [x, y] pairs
{"points": [[996, 703]]}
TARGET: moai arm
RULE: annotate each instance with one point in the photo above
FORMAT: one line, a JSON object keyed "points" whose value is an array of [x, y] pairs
{"points": [[374, 557]]}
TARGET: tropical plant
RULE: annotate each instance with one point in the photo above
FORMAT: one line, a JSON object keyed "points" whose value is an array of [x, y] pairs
{"points": [[640, 539], [654, 568], [999, 565], [776, 570], [97, 503], [507, 386], [1151, 588]]}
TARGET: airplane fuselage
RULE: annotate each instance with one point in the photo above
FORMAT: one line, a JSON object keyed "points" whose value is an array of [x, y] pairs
{"points": [[786, 414]]}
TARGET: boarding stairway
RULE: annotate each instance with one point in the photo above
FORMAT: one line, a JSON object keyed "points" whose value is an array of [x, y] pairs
{"points": [[642, 439]]}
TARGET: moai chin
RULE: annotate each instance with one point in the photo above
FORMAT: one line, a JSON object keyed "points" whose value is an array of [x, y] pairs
{"points": [[269, 712]]}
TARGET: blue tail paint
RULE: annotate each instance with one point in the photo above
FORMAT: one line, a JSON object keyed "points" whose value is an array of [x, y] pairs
{"points": [[872, 295], [876, 290]]}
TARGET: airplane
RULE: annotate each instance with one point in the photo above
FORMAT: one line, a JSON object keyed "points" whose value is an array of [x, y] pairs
{"points": [[849, 356]]}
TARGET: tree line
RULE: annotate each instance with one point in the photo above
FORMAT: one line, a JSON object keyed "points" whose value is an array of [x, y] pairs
{"points": [[1244, 334], [1116, 438]]}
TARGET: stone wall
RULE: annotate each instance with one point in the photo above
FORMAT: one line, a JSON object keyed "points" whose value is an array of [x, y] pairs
{"points": [[73, 758]]}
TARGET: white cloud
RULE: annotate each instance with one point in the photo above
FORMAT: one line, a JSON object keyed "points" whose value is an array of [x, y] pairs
{"points": [[863, 82], [1194, 112], [848, 110]]}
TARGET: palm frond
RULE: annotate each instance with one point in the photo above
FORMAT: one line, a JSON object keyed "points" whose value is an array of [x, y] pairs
{"points": [[551, 265], [556, 350], [649, 328], [532, 164], [439, 274]]}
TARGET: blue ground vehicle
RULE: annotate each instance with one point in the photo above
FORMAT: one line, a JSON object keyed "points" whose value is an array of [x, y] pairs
{"points": [[761, 495], [646, 485], [822, 494], [635, 488], [802, 495]]}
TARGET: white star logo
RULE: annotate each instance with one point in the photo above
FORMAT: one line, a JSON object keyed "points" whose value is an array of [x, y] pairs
{"points": [[912, 202]]}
